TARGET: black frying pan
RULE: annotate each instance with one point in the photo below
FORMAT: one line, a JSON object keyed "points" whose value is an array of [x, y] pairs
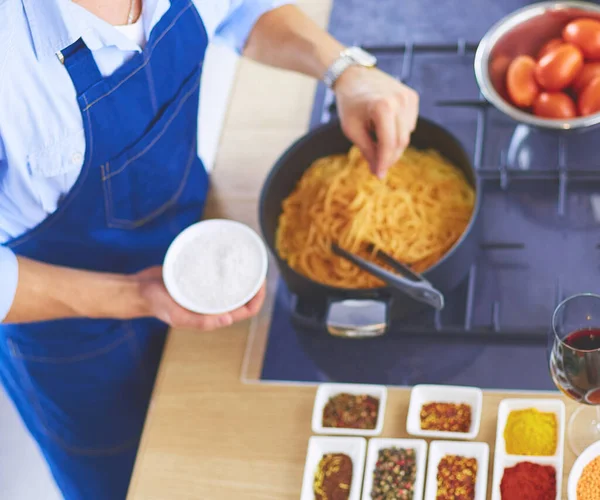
{"points": [[315, 304]]}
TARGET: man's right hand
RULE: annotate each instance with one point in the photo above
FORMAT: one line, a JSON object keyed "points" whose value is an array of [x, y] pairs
{"points": [[160, 305]]}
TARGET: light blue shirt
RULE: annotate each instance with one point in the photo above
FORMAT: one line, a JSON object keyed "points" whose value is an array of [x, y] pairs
{"points": [[42, 141]]}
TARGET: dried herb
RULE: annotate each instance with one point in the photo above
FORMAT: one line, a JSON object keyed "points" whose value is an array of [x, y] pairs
{"points": [[351, 411], [456, 478], [333, 477], [450, 417], [394, 474]]}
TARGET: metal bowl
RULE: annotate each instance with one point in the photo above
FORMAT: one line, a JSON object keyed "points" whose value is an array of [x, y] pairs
{"points": [[524, 32]]}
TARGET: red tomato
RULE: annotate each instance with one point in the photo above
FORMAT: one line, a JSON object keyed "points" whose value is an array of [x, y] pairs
{"points": [[559, 67], [589, 99], [586, 75], [520, 81], [585, 33], [554, 105], [549, 45]]}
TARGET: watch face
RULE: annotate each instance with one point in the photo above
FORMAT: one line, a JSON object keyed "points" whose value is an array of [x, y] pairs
{"points": [[361, 57]]}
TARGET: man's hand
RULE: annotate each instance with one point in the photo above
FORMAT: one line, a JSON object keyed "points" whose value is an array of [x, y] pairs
{"points": [[162, 306], [46, 292], [369, 101], [378, 114]]}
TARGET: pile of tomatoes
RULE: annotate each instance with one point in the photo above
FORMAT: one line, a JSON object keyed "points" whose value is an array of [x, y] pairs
{"points": [[564, 81]]}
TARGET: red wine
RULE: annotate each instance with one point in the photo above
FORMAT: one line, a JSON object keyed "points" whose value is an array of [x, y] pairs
{"points": [[575, 365], [584, 340]]}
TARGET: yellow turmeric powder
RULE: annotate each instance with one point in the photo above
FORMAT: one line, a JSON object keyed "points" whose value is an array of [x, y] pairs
{"points": [[531, 432]]}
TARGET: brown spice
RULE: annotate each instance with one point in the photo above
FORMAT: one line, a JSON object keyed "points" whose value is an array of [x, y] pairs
{"points": [[450, 417], [351, 411], [456, 478], [333, 477], [588, 486]]}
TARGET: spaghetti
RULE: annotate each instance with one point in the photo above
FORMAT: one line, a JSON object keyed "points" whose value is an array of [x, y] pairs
{"points": [[416, 215]]}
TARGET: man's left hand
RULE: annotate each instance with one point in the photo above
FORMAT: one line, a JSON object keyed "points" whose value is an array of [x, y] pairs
{"points": [[378, 114]]}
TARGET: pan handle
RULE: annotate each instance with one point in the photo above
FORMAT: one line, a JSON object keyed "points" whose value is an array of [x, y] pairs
{"points": [[417, 287], [358, 319]]}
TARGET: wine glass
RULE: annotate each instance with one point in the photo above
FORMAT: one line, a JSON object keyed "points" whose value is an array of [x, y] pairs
{"points": [[574, 352]]}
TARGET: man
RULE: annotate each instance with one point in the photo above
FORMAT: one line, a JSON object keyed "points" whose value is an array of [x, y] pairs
{"points": [[99, 172]]}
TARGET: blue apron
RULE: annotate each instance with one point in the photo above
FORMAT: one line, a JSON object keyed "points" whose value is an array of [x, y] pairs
{"points": [[82, 386]]}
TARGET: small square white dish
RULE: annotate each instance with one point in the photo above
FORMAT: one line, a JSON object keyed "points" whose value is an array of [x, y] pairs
{"points": [[439, 449], [354, 447], [555, 406], [423, 394], [376, 444], [327, 391], [585, 458], [502, 459], [503, 462]]}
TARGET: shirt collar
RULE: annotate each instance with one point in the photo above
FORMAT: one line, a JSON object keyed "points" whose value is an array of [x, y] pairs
{"points": [[56, 24], [48, 21]]}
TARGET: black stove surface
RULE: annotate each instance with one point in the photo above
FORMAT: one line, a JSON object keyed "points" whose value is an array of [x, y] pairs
{"points": [[540, 212]]}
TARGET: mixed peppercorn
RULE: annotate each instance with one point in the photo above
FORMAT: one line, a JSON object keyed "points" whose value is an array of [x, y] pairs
{"points": [[450, 417], [351, 411], [394, 474]]}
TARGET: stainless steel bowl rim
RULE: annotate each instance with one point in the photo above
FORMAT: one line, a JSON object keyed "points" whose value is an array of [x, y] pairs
{"points": [[488, 42]]}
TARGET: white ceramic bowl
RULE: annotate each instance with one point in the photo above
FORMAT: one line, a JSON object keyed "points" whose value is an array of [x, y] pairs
{"points": [[354, 447], [206, 230], [327, 391], [376, 444], [439, 449], [423, 394], [502, 460], [585, 458]]}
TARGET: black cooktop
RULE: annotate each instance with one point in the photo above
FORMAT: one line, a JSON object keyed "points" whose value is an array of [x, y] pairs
{"points": [[540, 213]]}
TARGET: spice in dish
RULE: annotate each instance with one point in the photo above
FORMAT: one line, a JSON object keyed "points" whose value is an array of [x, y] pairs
{"points": [[456, 477], [450, 417], [588, 486], [528, 481], [394, 474], [351, 411], [531, 432], [333, 477]]}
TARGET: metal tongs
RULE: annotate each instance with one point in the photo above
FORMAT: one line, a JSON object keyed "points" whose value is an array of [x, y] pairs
{"points": [[411, 283]]}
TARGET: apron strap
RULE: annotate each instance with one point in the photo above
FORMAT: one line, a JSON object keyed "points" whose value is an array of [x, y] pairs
{"points": [[79, 62]]}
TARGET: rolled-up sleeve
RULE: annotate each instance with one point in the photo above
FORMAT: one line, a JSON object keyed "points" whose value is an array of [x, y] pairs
{"points": [[9, 273], [242, 16]]}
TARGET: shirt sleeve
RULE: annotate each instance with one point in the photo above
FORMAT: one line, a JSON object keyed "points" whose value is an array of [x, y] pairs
{"points": [[235, 28], [9, 267], [9, 272]]}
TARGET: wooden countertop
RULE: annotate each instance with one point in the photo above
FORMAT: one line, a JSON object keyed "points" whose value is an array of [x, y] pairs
{"points": [[209, 436]]}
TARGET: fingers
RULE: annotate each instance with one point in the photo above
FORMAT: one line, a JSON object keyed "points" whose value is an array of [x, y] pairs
{"points": [[395, 119], [359, 133], [251, 308], [178, 317], [386, 124]]}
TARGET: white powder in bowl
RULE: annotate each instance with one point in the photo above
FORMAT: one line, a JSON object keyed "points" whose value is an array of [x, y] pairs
{"points": [[217, 270]]}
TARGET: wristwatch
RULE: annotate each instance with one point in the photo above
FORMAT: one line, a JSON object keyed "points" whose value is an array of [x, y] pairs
{"points": [[352, 56]]}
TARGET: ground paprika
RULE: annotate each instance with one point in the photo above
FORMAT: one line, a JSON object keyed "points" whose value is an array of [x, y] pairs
{"points": [[528, 481]]}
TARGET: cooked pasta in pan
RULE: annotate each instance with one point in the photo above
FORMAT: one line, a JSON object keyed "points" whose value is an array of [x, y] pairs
{"points": [[415, 214]]}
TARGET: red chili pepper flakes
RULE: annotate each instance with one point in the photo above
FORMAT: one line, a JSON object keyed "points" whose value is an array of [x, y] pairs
{"points": [[456, 478], [450, 417], [351, 411]]}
